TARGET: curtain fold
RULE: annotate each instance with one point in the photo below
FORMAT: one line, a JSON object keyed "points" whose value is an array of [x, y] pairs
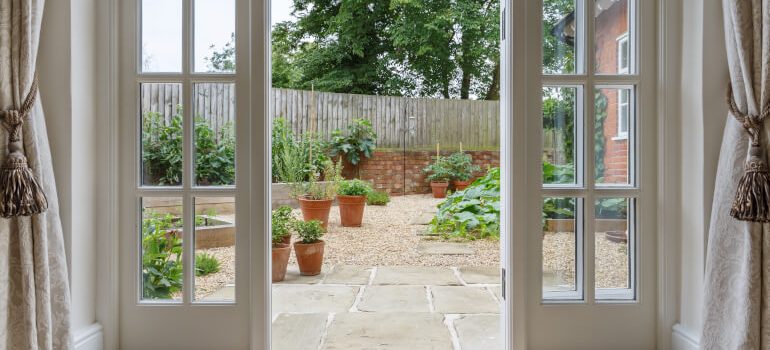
{"points": [[737, 276], [34, 286]]}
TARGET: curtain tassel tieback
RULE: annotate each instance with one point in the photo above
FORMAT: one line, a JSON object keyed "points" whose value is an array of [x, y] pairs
{"points": [[20, 192], [752, 199]]}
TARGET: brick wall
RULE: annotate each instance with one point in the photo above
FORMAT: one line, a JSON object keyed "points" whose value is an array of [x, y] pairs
{"points": [[399, 172], [610, 25]]}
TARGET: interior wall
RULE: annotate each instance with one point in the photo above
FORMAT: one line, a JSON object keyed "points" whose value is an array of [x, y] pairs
{"points": [[703, 114]]}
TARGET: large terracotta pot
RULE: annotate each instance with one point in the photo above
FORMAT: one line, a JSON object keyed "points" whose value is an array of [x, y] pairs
{"points": [[439, 189], [351, 210], [461, 185], [280, 261], [313, 209], [310, 257]]}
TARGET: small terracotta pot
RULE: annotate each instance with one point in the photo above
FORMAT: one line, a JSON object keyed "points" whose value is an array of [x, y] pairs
{"points": [[281, 254], [351, 210], [439, 189], [313, 209], [461, 185], [310, 257]]}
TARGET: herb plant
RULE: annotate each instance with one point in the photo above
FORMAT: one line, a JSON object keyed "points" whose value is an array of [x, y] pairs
{"points": [[354, 188], [377, 198], [309, 231], [282, 223], [473, 213], [439, 171], [295, 159], [360, 140], [315, 190], [206, 264], [461, 165]]}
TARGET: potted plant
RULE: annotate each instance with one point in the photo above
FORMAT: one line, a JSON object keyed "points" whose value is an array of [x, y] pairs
{"points": [[281, 237], [315, 198], [351, 196], [462, 168], [360, 140], [439, 175], [310, 248]]}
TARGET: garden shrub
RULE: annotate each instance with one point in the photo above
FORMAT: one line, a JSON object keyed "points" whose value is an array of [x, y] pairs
{"points": [[292, 157], [377, 198], [360, 139], [354, 187], [206, 264], [161, 256], [309, 231], [461, 165], [282, 221], [472, 213], [439, 170]]}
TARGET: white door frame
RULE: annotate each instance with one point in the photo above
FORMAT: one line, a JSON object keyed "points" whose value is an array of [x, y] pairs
{"points": [[515, 296]]}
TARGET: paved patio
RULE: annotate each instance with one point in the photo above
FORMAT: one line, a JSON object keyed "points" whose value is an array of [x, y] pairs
{"points": [[354, 307]]}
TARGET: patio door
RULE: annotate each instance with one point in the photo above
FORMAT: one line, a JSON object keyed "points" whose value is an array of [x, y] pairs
{"points": [[580, 149], [184, 174]]}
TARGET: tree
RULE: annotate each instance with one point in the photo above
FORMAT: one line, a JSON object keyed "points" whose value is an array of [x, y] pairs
{"points": [[223, 60], [285, 71]]}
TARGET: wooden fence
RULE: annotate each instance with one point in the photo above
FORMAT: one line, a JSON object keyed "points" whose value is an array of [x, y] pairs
{"points": [[400, 122]]}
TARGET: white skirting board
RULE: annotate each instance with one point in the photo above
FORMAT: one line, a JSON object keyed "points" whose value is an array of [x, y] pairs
{"points": [[683, 339], [90, 338]]}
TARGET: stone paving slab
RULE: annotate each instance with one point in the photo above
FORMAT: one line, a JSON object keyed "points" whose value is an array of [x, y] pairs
{"points": [[415, 275], [463, 300], [480, 275], [498, 290], [479, 332], [293, 276], [348, 274], [444, 248], [387, 331], [298, 331], [227, 293], [394, 299], [313, 298]]}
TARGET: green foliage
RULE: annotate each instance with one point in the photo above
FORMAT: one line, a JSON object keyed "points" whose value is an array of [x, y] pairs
{"points": [[558, 208], [439, 171], [600, 108], [461, 165], [285, 71], [559, 115], [558, 55], [354, 188], [309, 231], [378, 198], [314, 189], [283, 221], [292, 162], [472, 213], [223, 61], [612, 208], [205, 264], [360, 139], [162, 151], [161, 256], [558, 174]]}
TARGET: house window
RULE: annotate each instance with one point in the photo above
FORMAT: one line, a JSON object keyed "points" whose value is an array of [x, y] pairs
{"points": [[623, 95]]}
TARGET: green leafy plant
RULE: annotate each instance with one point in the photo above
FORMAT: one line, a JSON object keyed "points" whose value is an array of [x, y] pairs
{"points": [[315, 189], [295, 159], [473, 213], [558, 174], [162, 153], [161, 256], [360, 140], [439, 171], [612, 208], [354, 188], [461, 165], [283, 221], [206, 264], [378, 198], [309, 231]]}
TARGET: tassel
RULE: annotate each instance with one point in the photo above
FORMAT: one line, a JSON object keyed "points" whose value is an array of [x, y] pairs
{"points": [[752, 199], [21, 193]]}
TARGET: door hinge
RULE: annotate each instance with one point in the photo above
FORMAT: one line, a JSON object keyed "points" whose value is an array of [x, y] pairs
{"points": [[502, 25], [502, 283]]}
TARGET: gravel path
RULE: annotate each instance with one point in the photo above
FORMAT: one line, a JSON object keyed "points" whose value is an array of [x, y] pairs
{"points": [[388, 239]]}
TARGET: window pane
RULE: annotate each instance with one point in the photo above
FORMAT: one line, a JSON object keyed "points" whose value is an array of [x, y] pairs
{"points": [[161, 36], [214, 248], [613, 52], [215, 36], [559, 135], [162, 134], [162, 268], [214, 134], [612, 149], [612, 249], [560, 249], [560, 37]]}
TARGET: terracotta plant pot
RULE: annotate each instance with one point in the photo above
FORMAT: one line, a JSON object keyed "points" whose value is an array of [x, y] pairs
{"points": [[310, 257], [313, 209], [286, 239], [439, 189], [280, 261], [351, 210], [461, 185]]}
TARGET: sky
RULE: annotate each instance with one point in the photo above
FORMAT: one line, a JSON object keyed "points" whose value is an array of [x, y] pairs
{"points": [[214, 23]]}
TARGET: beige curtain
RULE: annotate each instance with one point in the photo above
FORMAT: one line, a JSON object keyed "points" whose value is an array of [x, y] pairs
{"points": [[737, 277], [34, 290]]}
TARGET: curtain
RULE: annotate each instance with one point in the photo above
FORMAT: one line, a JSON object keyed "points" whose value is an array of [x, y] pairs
{"points": [[34, 290], [737, 276]]}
